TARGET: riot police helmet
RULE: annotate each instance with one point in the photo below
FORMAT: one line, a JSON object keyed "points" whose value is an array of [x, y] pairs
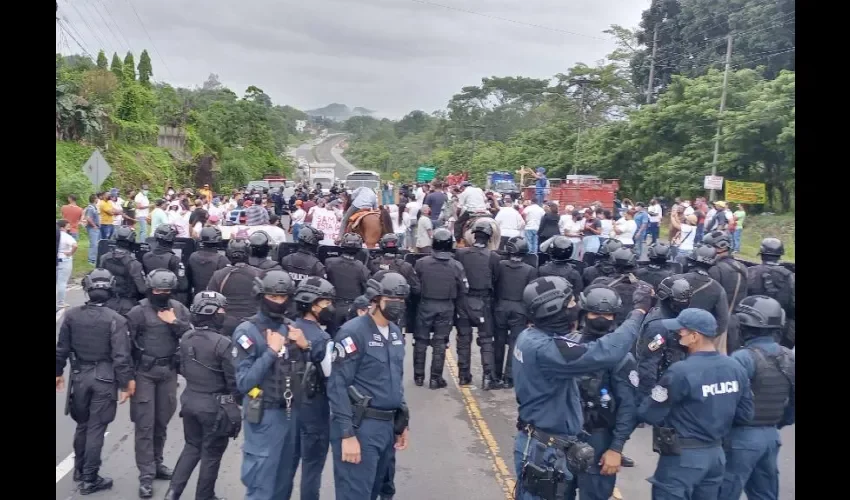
{"points": [[98, 279], [760, 311], [658, 251], [210, 236], [161, 279], [165, 233], [274, 282], [719, 240], [260, 242], [546, 296], [389, 284], [124, 236], [208, 303], [312, 289], [703, 254], [351, 243], [611, 245], [675, 292], [771, 247], [237, 250], [482, 226], [389, 243], [560, 248], [310, 236], [600, 300], [623, 258], [516, 245], [442, 240]]}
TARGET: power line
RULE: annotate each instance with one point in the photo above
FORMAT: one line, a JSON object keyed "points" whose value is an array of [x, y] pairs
{"points": [[117, 26], [105, 23], [63, 24], [87, 25], [514, 21], [161, 59]]}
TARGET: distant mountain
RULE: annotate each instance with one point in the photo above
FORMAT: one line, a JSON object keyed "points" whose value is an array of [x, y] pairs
{"points": [[339, 112]]}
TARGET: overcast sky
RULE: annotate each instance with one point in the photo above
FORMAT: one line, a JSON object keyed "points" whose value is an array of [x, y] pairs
{"points": [[391, 56]]}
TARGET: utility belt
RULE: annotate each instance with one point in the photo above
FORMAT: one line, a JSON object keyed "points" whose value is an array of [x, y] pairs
{"points": [[480, 293], [400, 417], [77, 365], [666, 442], [579, 455], [440, 299], [543, 480], [146, 363], [313, 382], [228, 420]]}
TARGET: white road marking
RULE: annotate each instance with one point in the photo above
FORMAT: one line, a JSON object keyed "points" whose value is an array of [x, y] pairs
{"points": [[67, 465]]}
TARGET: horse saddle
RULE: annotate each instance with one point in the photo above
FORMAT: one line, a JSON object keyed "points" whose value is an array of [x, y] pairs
{"points": [[355, 219]]}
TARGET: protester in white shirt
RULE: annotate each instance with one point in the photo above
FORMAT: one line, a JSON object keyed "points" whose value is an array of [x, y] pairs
{"points": [[276, 234], [510, 223], [625, 228], [413, 208], [179, 220], [65, 262], [142, 209], [472, 200], [401, 222], [533, 214], [685, 238], [325, 220], [654, 212]]}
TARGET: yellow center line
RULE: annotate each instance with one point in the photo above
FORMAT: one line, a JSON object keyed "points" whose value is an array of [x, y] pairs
{"points": [[504, 474]]}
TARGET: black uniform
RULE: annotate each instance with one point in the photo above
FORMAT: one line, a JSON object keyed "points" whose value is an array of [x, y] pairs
{"points": [[777, 282], [236, 283], [302, 264], [264, 263], [155, 344], [601, 269], [443, 281], [732, 276], [480, 265], [390, 263], [208, 407], [565, 270], [202, 265], [512, 276], [162, 257], [95, 338], [129, 276], [348, 276], [653, 273], [709, 295]]}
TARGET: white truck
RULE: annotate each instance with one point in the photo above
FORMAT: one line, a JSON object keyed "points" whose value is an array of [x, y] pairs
{"points": [[322, 173]]}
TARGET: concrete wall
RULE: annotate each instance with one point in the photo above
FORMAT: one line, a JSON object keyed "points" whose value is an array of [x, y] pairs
{"points": [[173, 138]]}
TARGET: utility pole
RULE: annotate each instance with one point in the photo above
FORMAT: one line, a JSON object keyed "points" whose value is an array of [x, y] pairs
{"points": [[722, 109], [649, 84], [581, 83]]}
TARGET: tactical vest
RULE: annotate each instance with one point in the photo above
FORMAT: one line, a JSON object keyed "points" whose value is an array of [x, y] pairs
{"points": [[476, 261], [202, 266], [513, 277], [199, 363], [286, 374], [345, 275], [299, 265], [91, 337], [117, 262], [155, 337], [263, 263], [167, 260], [590, 391], [438, 279], [554, 268], [385, 263], [776, 284], [771, 386]]}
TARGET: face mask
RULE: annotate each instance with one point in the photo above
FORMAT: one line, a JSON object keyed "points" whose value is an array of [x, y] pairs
{"points": [[327, 315], [685, 347], [599, 324], [99, 296], [159, 300], [393, 311], [145, 192], [558, 324], [273, 309]]}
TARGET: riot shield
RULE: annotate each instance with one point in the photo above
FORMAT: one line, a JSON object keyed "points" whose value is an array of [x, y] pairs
{"points": [[327, 251], [183, 248], [412, 257], [104, 246], [377, 253]]}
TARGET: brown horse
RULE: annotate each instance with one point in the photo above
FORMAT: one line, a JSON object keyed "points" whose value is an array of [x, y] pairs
{"points": [[469, 239], [371, 226]]}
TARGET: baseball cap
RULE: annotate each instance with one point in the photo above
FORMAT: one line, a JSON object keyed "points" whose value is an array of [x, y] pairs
{"points": [[698, 320], [360, 303]]}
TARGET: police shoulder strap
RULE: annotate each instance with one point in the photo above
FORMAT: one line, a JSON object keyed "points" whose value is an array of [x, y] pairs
{"points": [[761, 356], [230, 271]]}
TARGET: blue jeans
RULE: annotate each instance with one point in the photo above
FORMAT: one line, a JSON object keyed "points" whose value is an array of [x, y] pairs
{"points": [[63, 274], [539, 194], [531, 239], [653, 231], [296, 228], [94, 238], [142, 233], [736, 239], [106, 231], [400, 239], [640, 238]]}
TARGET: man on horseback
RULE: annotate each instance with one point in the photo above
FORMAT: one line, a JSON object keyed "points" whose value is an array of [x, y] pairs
{"points": [[471, 201], [362, 198]]}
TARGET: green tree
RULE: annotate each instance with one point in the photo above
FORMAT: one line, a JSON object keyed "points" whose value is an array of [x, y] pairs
{"points": [[145, 68], [117, 67], [129, 67], [102, 63]]}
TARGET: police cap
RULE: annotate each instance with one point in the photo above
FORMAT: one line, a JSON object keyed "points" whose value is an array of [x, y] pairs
{"points": [[760, 311], [695, 320], [546, 296]]}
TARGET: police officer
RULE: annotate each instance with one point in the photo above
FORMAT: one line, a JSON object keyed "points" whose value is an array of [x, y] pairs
{"points": [[732, 276], [359, 307], [443, 282], [608, 398], [752, 449], [348, 275], [777, 282], [260, 246], [314, 300], [163, 257], [560, 249], [603, 266], [128, 272], [95, 338], [390, 261], [366, 392], [236, 283], [623, 281], [657, 347], [654, 272], [271, 357], [303, 262], [692, 409], [480, 265], [708, 294], [512, 276], [206, 261], [547, 453], [209, 404], [156, 325]]}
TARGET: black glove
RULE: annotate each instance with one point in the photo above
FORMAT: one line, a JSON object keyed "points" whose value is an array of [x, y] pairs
{"points": [[642, 296]]}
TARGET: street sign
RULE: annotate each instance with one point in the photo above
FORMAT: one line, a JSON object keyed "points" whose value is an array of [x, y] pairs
{"points": [[396, 175], [426, 173], [96, 169], [713, 182], [746, 192]]}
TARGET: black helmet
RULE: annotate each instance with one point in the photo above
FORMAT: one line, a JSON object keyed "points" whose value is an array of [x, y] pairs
{"points": [[623, 258], [237, 250], [610, 246], [760, 311], [260, 240], [676, 292], [546, 296], [351, 242], [98, 279], [207, 303], [389, 243], [720, 240], [658, 251], [600, 300], [772, 247], [308, 235], [274, 282], [312, 289], [165, 233], [561, 248], [516, 245], [125, 235], [442, 240], [210, 236], [161, 279], [482, 226], [387, 285], [703, 254]]}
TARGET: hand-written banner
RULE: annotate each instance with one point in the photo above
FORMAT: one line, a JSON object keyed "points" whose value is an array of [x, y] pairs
{"points": [[745, 192]]}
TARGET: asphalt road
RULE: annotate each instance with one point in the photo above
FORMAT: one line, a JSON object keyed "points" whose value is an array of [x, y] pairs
{"points": [[461, 445], [327, 151]]}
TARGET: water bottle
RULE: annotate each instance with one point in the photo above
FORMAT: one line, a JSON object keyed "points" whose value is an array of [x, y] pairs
{"points": [[605, 398]]}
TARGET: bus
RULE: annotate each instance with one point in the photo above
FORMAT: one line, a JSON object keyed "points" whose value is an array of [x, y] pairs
{"points": [[359, 178]]}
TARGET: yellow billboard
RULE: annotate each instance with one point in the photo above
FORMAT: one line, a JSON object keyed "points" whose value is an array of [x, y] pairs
{"points": [[745, 192]]}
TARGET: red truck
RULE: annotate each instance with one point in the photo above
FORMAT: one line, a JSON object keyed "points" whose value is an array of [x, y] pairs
{"points": [[579, 191]]}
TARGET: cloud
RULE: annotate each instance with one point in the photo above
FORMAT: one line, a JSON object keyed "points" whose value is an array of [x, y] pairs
{"points": [[389, 55]]}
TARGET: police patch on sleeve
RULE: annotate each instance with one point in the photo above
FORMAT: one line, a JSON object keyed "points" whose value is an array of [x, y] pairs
{"points": [[234, 352], [656, 343], [339, 352], [245, 342], [659, 394], [634, 378]]}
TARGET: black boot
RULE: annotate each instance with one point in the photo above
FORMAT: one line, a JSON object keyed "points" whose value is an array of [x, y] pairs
{"points": [[627, 462], [163, 472], [464, 379], [171, 495], [95, 485], [490, 384], [145, 490], [438, 360], [78, 475], [419, 381], [508, 383], [420, 352], [437, 383]]}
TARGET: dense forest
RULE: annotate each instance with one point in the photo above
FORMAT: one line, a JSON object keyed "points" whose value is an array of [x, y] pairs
{"points": [[606, 119]]}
